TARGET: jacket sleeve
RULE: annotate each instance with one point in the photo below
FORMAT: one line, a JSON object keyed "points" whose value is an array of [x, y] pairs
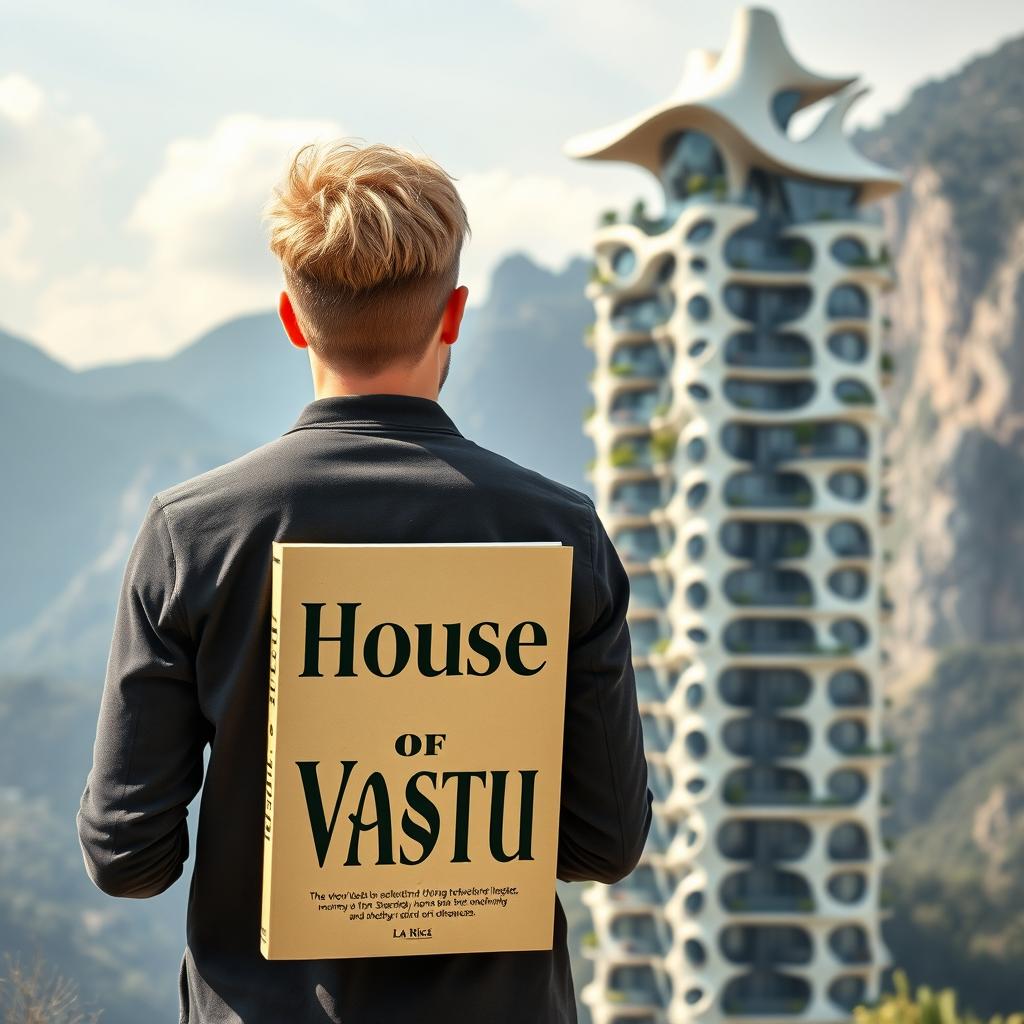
{"points": [[148, 755], [606, 805]]}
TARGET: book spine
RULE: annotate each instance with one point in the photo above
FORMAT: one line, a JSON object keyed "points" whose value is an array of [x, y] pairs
{"points": [[268, 812]]}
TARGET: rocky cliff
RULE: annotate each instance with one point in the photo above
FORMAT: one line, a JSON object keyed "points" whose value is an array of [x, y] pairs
{"points": [[957, 334]]}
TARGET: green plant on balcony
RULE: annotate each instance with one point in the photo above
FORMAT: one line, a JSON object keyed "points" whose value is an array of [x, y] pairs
{"points": [[824, 215], [663, 444], [886, 322], [661, 409], [598, 275], [887, 362], [795, 548], [741, 647], [884, 256], [802, 254], [740, 264], [742, 598], [608, 217], [857, 398], [621, 369], [802, 497], [622, 455], [803, 598], [638, 215], [803, 433], [735, 793], [697, 183], [888, 843], [589, 941], [842, 650], [660, 646], [805, 904], [794, 1005], [737, 500], [590, 465], [743, 401], [588, 413]]}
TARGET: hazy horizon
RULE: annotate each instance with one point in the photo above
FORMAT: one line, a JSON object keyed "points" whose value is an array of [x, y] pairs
{"points": [[139, 145]]}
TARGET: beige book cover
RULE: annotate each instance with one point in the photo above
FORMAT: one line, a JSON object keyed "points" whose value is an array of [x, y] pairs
{"points": [[414, 748]]}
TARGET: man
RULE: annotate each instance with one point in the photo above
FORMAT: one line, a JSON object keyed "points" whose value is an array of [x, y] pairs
{"points": [[369, 240]]}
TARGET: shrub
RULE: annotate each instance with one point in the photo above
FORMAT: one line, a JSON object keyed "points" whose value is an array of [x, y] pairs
{"points": [[36, 995], [925, 1006]]}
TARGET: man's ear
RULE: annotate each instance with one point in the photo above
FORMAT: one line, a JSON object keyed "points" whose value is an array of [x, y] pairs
{"points": [[451, 319], [286, 311]]}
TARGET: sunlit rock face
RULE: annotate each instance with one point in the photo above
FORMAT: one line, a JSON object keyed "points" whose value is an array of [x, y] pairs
{"points": [[957, 238]]}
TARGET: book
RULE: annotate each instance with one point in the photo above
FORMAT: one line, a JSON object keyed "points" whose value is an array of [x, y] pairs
{"points": [[414, 748]]}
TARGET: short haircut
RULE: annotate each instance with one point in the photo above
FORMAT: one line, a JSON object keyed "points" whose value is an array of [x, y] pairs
{"points": [[369, 239]]}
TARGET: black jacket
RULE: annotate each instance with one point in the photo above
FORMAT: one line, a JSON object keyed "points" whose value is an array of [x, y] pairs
{"points": [[189, 667]]}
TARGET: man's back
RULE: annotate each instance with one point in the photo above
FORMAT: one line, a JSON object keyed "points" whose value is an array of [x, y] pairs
{"points": [[189, 665]]}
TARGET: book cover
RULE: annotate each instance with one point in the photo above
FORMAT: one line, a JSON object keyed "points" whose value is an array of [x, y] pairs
{"points": [[414, 748]]}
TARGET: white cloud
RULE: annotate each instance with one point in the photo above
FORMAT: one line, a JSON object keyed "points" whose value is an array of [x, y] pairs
{"points": [[207, 257], [45, 156], [21, 100], [206, 251], [204, 255], [548, 217], [202, 210], [15, 264]]}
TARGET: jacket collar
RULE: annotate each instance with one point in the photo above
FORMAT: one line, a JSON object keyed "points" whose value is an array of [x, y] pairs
{"points": [[375, 413]]}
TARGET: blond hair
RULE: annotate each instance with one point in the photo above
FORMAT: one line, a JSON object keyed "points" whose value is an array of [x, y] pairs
{"points": [[369, 239]]}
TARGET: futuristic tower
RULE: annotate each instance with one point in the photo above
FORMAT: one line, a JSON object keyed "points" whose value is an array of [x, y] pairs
{"points": [[736, 420]]}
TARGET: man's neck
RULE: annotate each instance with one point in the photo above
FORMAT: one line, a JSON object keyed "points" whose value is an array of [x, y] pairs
{"points": [[329, 383]]}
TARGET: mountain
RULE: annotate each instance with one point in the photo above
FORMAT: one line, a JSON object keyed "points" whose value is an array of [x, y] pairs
{"points": [[25, 362], [955, 671], [957, 238], [76, 470], [519, 386], [89, 449], [956, 880], [122, 955], [83, 453]]}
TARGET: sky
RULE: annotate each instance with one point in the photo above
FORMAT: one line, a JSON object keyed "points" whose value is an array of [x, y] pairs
{"points": [[138, 142]]}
